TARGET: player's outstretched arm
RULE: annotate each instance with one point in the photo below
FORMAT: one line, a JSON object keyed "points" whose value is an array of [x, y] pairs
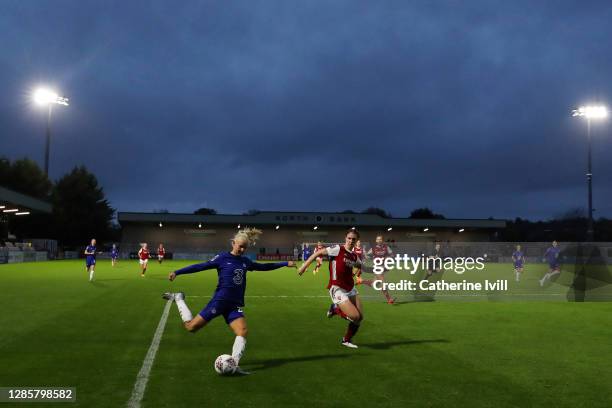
{"points": [[255, 266], [312, 257], [195, 268]]}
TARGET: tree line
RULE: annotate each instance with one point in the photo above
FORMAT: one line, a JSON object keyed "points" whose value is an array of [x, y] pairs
{"points": [[80, 210]]}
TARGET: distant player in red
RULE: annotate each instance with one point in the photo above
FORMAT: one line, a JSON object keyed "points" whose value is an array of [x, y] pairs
{"points": [[161, 252], [143, 256], [380, 250], [346, 302], [318, 248], [360, 255]]}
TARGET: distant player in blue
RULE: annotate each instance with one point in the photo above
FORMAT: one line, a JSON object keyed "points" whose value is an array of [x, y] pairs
{"points": [[552, 257], [228, 298], [518, 258], [306, 252], [114, 255], [90, 259]]}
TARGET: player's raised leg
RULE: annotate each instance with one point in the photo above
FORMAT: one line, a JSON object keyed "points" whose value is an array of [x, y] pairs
{"points": [[191, 324]]}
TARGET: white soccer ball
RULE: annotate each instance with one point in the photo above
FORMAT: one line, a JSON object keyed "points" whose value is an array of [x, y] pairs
{"points": [[225, 365]]}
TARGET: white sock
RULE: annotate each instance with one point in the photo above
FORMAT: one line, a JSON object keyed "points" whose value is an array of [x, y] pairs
{"points": [[517, 276], [183, 310], [238, 349], [91, 274]]}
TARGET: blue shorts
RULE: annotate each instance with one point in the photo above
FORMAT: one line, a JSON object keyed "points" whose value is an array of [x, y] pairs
{"points": [[214, 308], [90, 262], [518, 266]]}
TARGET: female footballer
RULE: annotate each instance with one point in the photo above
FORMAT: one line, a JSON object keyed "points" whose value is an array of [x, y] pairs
{"points": [[319, 247], [552, 257], [518, 259], [228, 299], [114, 255], [143, 256], [380, 250], [90, 259], [345, 297], [161, 252]]}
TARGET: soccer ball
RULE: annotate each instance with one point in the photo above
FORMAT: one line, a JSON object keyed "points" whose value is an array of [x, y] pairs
{"points": [[225, 365]]}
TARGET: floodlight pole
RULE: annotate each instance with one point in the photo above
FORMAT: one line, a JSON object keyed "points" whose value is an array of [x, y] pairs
{"points": [[48, 143], [590, 184]]}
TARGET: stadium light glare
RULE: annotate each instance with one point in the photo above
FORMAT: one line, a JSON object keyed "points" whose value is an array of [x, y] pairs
{"points": [[45, 96], [353, 228], [316, 227], [1, 207], [238, 226], [161, 225], [23, 213], [425, 229], [200, 225], [277, 227], [48, 98], [591, 112], [11, 210], [389, 229], [462, 229]]}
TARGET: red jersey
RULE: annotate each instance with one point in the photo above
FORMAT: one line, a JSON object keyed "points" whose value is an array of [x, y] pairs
{"points": [[161, 251], [143, 254], [381, 251], [359, 252], [341, 266]]}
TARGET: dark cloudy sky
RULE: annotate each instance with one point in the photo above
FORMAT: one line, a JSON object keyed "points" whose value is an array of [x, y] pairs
{"points": [[462, 106]]}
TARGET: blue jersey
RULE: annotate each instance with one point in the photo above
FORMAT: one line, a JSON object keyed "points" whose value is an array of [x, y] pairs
{"points": [[518, 258], [306, 254], [90, 259], [231, 270], [114, 253], [552, 255]]}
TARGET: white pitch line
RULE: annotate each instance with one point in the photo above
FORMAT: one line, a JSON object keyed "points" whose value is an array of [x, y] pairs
{"points": [[143, 375]]}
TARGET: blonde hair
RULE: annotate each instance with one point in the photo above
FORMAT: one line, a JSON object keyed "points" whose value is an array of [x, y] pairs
{"points": [[250, 235]]}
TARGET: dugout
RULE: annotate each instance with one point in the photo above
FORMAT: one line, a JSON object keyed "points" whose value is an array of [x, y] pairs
{"points": [[17, 211]]}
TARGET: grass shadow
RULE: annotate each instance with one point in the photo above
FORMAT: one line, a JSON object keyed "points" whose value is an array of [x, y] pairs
{"points": [[390, 344], [277, 362]]}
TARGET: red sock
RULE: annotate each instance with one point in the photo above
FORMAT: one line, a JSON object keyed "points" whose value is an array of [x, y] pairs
{"points": [[350, 332]]}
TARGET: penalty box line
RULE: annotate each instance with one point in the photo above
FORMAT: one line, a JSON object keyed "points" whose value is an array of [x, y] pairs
{"points": [[143, 375]]}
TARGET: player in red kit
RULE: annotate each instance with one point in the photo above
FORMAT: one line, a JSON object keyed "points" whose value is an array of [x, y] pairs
{"points": [[161, 252], [360, 256], [346, 302], [380, 250], [319, 247], [143, 256]]}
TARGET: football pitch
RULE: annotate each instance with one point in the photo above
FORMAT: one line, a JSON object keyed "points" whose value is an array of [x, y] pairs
{"points": [[536, 349]]}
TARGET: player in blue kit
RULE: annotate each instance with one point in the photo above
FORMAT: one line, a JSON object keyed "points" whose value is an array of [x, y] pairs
{"points": [[306, 252], [114, 255], [552, 257], [228, 298], [90, 259], [518, 258]]}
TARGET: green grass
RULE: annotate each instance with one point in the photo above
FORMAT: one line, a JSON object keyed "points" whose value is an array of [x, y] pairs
{"points": [[508, 350]]}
